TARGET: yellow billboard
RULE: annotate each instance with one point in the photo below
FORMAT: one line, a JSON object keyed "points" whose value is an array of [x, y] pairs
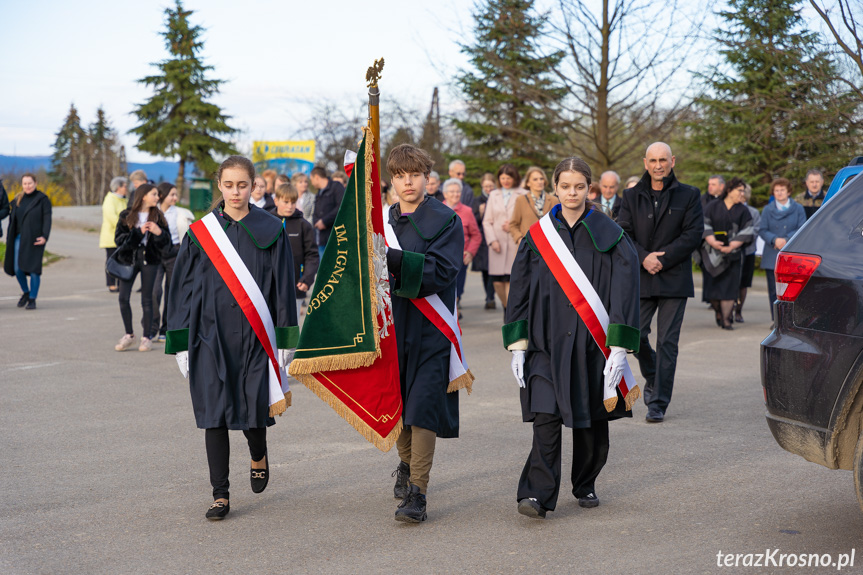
{"points": [[285, 157]]}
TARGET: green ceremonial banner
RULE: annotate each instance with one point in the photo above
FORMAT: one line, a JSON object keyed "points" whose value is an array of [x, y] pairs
{"points": [[340, 330]]}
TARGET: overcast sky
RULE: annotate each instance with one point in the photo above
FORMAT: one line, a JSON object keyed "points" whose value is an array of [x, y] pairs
{"points": [[277, 57]]}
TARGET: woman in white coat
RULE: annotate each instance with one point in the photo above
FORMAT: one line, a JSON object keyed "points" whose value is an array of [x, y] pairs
{"points": [[498, 212]]}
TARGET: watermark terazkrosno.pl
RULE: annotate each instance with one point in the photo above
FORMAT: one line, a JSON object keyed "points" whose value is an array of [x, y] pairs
{"points": [[775, 558]]}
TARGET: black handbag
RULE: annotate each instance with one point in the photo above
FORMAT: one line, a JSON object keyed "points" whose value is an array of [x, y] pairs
{"points": [[118, 270]]}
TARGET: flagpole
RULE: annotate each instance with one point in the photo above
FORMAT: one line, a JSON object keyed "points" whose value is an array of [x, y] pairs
{"points": [[373, 74]]}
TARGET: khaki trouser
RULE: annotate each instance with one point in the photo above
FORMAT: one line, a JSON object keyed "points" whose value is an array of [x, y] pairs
{"points": [[416, 448]]}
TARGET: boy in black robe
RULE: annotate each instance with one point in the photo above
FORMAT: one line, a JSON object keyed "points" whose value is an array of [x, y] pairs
{"points": [[556, 360], [432, 244]]}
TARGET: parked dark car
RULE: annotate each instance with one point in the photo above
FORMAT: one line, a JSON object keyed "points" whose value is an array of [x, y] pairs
{"points": [[845, 176], [812, 362]]}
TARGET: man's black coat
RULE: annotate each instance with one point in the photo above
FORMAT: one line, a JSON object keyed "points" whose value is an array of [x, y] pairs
{"points": [[327, 205], [674, 227]]}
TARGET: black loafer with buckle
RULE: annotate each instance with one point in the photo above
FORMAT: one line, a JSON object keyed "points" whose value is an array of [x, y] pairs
{"points": [[218, 510], [260, 478]]}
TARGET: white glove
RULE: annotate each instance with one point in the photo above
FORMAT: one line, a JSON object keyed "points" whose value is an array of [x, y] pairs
{"points": [[518, 366], [614, 368], [286, 356], [183, 362]]}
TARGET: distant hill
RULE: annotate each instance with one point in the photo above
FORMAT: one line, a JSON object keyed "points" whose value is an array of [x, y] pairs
{"points": [[156, 171]]}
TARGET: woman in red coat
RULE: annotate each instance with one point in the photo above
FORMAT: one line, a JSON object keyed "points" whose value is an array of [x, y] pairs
{"points": [[452, 197]]}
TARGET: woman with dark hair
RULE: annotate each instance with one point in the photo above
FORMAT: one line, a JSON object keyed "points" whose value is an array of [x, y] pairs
{"points": [[780, 220], [141, 236], [727, 228], [234, 271], [29, 227], [749, 249], [498, 213], [572, 317], [178, 224]]}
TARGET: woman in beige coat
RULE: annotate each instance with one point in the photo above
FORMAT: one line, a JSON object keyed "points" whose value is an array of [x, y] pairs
{"points": [[495, 223], [533, 205]]}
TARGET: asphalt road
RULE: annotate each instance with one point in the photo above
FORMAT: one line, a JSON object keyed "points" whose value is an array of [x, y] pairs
{"points": [[103, 471]]}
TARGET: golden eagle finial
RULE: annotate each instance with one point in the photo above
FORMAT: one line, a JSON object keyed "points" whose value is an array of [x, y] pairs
{"points": [[373, 74]]}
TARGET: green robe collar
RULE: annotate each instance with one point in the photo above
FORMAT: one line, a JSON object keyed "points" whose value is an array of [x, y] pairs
{"points": [[604, 232], [263, 227]]}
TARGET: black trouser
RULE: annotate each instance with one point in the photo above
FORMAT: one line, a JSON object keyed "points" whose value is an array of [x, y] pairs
{"points": [[658, 366], [488, 286], [771, 289], [148, 276], [163, 277], [540, 477], [219, 455], [110, 280]]}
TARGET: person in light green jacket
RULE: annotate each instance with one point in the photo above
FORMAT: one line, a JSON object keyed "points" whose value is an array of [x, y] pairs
{"points": [[114, 203]]}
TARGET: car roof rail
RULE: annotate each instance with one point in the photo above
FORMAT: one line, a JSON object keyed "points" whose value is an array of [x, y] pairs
{"points": [[858, 161]]}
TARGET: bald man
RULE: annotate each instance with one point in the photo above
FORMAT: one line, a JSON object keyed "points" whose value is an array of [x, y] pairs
{"points": [[663, 217]]}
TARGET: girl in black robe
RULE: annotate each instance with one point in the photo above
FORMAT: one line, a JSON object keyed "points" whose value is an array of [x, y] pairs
{"points": [[216, 347], [555, 359], [727, 227]]}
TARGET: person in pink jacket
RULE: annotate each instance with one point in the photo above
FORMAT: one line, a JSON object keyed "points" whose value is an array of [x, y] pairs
{"points": [[501, 245], [452, 189]]}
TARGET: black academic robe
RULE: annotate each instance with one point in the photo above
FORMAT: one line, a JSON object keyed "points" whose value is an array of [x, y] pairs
{"points": [[432, 242], [563, 364], [34, 220], [228, 373]]}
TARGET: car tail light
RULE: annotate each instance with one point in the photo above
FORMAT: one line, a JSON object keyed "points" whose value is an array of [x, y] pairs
{"points": [[792, 273]]}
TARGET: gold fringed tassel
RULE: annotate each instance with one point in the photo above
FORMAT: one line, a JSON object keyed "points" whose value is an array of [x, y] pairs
{"points": [[382, 443], [278, 408], [287, 403], [610, 404], [300, 366], [633, 394], [464, 381]]}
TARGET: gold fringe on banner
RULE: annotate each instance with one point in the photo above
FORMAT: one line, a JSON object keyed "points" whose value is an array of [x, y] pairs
{"points": [[464, 381], [610, 403], [372, 436], [370, 234], [633, 394], [307, 365]]}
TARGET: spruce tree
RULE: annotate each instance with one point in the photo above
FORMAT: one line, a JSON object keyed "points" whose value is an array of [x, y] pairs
{"points": [[103, 161], [69, 160], [511, 92], [778, 110], [179, 120]]}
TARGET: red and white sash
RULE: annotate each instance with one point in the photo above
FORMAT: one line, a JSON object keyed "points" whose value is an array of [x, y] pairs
{"points": [[246, 291], [446, 320], [583, 297]]}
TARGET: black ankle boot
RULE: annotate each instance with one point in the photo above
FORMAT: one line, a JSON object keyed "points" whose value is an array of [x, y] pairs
{"points": [[402, 475], [25, 297], [412, 509]]}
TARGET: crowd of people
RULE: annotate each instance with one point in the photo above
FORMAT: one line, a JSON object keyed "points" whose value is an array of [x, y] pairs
{"points": [[579, 267]]}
